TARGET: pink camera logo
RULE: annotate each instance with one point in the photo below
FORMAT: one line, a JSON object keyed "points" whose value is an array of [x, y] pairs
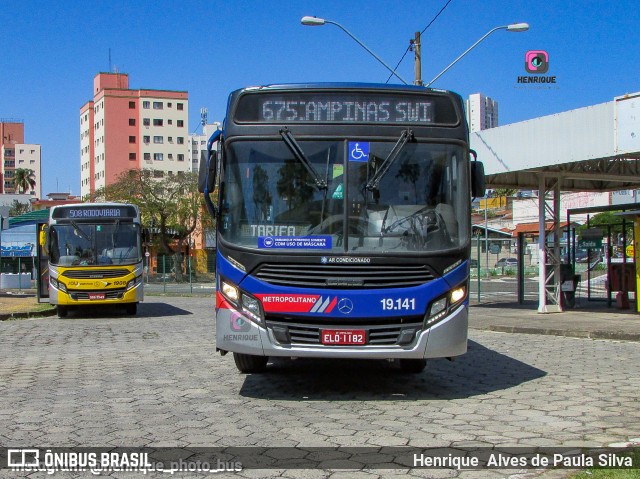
{"points": [[536, 61], [239, 324]]}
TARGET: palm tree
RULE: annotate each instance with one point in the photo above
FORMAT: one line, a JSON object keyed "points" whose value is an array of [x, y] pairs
{"points": [[24, 179]]}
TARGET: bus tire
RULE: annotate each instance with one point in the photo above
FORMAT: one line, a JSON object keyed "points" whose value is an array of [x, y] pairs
{"points": [[62, 311], [132, 308], [413, 365], [248, 363]]}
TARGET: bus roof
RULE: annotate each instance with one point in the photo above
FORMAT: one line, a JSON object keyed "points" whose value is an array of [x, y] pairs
{"points": [[343, 85]]}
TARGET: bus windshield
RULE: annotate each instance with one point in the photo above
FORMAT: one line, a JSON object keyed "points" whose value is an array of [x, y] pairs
{"points": [[374, 196], [82, 244]]}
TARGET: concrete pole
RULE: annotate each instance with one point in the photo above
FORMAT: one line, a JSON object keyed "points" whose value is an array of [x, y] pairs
{"points": [[418, 60], [542, 255]]}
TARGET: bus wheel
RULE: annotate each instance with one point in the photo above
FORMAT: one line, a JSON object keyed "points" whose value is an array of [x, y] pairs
{"points": [[413, 365], [132, 308], [62, 311], [247, 363]]}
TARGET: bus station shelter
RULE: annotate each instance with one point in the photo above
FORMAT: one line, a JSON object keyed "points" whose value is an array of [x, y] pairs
{"points": [[595, 148]]}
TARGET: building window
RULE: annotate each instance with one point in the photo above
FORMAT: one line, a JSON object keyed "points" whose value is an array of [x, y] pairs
{"points": [[146, 139], [132, 105], [171, 156], [157, 105], [169, 105], [146, 122], [132, 122], [180, 123], [132, 139], [157, 122], [180, 140], [180, 157], [147, 156], [146, 104], [158, 174], [158, 156], [158, 139], [179, 106], [170, 122], [132, 156]]}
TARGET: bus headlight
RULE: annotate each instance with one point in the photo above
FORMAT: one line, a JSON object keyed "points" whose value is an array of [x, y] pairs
{"points": [[458, 295], [229, 291], [437, 311], [132, 284], [442, 306], [251, 307], [57, 284], [245, 303]]}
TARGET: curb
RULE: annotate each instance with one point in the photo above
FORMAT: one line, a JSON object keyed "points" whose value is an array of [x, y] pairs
{"points": [[27, 315], [615, 335]]}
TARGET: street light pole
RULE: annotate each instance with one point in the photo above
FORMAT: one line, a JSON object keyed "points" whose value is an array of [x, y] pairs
{"points": [[315, 21], [514, 27]]}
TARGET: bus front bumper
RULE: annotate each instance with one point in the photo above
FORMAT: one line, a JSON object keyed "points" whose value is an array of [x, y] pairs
{"points": [[447, 338], [92, 298]]}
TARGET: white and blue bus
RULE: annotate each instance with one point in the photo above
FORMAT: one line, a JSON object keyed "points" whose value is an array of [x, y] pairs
{"points": [[343, 223]]}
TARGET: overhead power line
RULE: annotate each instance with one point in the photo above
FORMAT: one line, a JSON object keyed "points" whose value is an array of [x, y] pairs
{"points": [[409, 48]]}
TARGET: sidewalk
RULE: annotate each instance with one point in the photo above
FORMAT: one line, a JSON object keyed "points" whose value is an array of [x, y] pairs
{"points": [[591, 320]]}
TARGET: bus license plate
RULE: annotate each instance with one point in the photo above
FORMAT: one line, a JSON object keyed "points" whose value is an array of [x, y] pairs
{"points": [[93, 296], [343, 337]]}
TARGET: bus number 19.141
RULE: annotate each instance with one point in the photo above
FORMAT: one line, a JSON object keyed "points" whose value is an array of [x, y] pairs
{"points": [[399, 304]]}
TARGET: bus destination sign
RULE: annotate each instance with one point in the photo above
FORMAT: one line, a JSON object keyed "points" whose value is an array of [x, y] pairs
{"points": [[94, 212], [345, 107]]}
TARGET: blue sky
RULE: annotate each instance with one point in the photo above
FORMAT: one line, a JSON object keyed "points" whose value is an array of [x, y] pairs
{"points": [[52, 50]]}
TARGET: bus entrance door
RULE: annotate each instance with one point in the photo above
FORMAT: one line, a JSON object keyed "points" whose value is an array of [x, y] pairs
{"points": [[42, 284]]}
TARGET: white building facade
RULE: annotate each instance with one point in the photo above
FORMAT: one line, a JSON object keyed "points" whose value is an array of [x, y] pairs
{"points": [[481, 111]]}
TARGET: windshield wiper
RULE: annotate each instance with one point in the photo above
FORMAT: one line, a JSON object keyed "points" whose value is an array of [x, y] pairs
{"points": [[404, 219], [373, 183], [293, 145], [80, 232]]}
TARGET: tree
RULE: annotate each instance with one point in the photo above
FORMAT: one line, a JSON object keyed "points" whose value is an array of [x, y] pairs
{"points": [[24, 179], [170, 205], [18, 208]]}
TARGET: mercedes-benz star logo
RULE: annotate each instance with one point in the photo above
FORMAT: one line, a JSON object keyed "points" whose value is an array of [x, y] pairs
{"points": [[345, 306]]}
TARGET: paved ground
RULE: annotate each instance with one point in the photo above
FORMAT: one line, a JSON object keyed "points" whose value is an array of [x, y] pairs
{"points": [[154, 380]]}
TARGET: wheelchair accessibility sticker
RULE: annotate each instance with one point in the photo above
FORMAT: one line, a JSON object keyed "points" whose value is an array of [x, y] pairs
{"points": [[359, 151]]}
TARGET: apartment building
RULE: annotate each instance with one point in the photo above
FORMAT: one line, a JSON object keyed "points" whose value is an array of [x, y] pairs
{"points": [[198, 144], [482, 112], [123, 129], [16, 154]]}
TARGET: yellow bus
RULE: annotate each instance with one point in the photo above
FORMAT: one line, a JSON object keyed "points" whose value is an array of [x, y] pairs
{"points": [[95, 256]]}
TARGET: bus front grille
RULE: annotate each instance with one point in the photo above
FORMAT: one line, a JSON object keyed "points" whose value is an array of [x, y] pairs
{"points": [[397, 331], [87, 295], [347, 276], [95, 273]]}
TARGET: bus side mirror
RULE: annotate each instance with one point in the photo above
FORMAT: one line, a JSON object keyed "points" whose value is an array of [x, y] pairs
{"points": [[478, 188], [207, 171], [478, 185], [208, 165]]}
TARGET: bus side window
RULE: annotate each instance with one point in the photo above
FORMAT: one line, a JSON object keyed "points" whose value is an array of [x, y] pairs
{"points": [[54, 250]]}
